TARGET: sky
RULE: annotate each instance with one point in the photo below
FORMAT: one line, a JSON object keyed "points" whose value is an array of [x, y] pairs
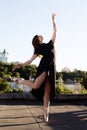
{"points": [[20, 20]]}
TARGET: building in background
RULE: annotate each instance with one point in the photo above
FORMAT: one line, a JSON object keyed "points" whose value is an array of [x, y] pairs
{"points": [[66, 69], [4, 56]]}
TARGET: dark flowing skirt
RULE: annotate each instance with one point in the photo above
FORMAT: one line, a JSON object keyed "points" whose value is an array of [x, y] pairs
{"points": [[39, 93]]}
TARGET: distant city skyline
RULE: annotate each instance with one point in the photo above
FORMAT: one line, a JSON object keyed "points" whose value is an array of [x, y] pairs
{"points": [[20, 20]]}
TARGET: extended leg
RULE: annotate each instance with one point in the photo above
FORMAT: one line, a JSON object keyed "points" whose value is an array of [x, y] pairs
{"points": [[35, 84]]}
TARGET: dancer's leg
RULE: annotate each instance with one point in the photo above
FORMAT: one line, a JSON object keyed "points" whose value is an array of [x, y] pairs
{"points": [[35, 84], [46, 97], [46, 100]]}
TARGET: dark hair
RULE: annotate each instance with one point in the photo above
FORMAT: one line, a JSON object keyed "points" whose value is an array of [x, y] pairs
{"points": [[35, 42]]}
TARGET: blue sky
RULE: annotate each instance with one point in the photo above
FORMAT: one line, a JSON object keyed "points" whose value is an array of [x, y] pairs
{"points": [[20, 20]]}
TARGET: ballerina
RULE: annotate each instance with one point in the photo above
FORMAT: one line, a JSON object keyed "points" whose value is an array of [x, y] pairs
{"points": [[43, 86]]}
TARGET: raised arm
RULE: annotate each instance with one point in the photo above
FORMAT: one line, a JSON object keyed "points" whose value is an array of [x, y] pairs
{"points": [[54, 28], [25, 63]]}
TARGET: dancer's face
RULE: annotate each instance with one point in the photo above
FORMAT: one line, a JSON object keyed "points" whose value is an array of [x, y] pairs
{"points": [[40, 37]]}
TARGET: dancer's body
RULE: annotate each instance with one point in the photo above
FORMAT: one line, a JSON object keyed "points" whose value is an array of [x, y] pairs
{"points": [[43, 87]]}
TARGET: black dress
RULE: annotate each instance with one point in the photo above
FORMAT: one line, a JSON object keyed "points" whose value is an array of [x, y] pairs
{"points": [[46, 64]]}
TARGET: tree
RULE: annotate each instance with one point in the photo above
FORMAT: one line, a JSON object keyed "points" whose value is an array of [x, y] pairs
{"points": [[84, 82], [4, 86], [27, 71]]}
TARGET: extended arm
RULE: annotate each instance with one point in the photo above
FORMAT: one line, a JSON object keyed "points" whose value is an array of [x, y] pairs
{"points": [[54, 28], [30, 60], [25, 63]]}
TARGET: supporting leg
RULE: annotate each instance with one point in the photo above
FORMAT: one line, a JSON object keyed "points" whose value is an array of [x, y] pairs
{"points": [[46, 100]]}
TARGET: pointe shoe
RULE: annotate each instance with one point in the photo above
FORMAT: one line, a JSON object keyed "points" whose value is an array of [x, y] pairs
{"points": [[46, 114]]}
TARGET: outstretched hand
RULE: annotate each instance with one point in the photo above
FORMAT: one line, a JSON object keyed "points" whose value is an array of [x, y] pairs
{"points": [[53, 16]]}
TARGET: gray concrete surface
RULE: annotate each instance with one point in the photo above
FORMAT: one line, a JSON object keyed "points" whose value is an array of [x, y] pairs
{"points": [[28, 115]]}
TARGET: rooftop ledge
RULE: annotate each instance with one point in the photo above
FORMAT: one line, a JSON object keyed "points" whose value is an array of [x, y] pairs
{"points": [[29, 96]]}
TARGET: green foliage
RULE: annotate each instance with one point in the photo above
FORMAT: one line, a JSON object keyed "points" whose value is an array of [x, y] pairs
{"points": [[1, 74], [24, 72], [83, 91], [84, 82], [77, 75], [61, 89], [6, 76], [16, 74], [30, 70], [14, 90], [8, 90], [4, 86], [17, 90]]}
